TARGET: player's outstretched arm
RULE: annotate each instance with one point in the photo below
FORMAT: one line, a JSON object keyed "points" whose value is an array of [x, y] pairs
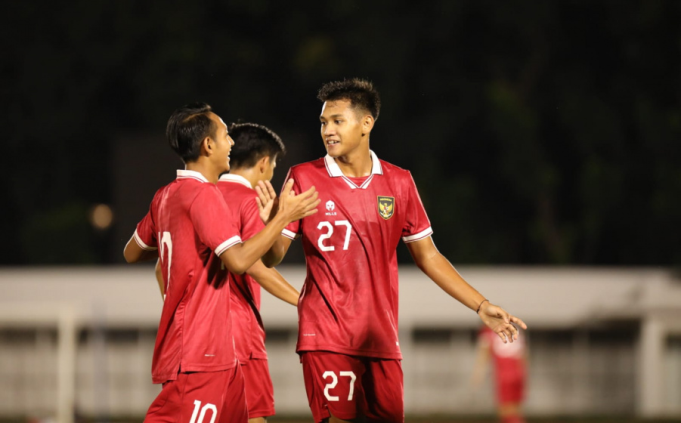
{"points": [[274, 283], [159, 278], [441, 271], [133, 253], [239, 258]]}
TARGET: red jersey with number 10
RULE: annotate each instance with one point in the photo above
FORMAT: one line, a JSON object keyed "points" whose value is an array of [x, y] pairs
{"points": [[186, 223], [349, 302]]}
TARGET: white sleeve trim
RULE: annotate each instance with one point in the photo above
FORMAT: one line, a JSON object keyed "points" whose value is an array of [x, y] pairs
{"points": [[141, 243], [419, 236], [289, 234], [236, 239]]}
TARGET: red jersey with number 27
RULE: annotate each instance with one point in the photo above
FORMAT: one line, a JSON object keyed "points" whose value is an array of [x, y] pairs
{"points": [[349, 302], [186, 223]]}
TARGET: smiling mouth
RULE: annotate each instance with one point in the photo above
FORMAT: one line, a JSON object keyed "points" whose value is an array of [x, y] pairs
{"points": [[332, 142]]}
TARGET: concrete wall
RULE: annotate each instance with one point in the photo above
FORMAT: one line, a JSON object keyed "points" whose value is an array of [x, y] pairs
{"points": [[602, 341]]}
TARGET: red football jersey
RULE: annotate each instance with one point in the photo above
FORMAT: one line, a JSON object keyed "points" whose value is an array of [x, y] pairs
{"points": [[509, 358], [349, 302], [247, 326], [186, 223]]}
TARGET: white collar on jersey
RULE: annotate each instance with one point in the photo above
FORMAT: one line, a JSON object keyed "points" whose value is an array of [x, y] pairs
{"points": [[192, 174], [336, 172], [228, 177]]}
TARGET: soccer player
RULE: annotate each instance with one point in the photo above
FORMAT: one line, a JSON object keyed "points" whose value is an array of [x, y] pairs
{"points": [[348, 336], [253, 158], [186, 228], [510, 363]]}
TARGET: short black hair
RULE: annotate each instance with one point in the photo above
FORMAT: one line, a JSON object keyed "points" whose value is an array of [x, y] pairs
{"points": [[252, 142], [360, 92], [187, 127]]}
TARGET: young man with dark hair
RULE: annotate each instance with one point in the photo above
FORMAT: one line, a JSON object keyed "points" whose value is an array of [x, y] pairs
{"points": [[194, 356], [348, 337], [253, 158]]}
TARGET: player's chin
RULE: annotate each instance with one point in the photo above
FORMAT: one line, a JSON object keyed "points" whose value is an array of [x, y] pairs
{"points": [[333, 152]]}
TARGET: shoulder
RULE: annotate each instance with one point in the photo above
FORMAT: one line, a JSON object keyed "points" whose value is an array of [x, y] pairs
{"points": [[204, 192], [308, 167], [233, 190], [395, 173], [393, 170]]}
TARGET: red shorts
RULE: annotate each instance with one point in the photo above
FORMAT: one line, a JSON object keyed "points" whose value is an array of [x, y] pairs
{"points": [[348, 387], [259, 390], [207, 397], [510, 389]]}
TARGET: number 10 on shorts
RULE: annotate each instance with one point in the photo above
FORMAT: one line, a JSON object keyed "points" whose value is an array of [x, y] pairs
{"points": [[207, 407], [334, 381]]}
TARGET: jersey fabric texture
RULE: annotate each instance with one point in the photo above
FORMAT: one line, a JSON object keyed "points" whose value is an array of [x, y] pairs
{"points": [[350, 387], [186, 224], [259, 389], [247, 326], [349, 302], [216, 397]]}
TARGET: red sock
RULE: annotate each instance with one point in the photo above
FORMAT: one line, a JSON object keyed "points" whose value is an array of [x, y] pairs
{"points": [[513, 419]]}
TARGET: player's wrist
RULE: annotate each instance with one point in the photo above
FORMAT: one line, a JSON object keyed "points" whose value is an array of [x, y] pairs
{"points": [[484, 303], [280, 219]]}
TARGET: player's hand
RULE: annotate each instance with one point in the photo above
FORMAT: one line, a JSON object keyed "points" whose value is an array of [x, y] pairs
{"points": [[293, 207], [501, 322], [268, 202]]}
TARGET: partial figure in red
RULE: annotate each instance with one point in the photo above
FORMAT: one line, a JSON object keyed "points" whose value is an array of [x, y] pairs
{"points": [[348, 321], [188, 229], [510, 372], [254, 158]]}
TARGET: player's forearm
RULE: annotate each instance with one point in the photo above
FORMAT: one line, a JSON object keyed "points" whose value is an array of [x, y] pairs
{"points": [[274, 283], [241, 257], [441, 271], [277, 252]]}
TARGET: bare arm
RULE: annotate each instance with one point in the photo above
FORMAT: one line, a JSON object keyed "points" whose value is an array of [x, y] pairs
{"points": [[274, 283], [268, 204], [276, 254], [159, 279], [241, 257], [133, 253], [441, 271]]}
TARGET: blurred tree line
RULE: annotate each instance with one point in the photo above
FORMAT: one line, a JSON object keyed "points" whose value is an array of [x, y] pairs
{"points": [[538, 132]]}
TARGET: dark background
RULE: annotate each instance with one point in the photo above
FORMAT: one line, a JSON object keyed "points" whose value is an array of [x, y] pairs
{"points": [[538, 132]]}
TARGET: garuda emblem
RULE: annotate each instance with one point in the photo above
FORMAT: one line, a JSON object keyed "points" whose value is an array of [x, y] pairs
{"points": [[386, 207]]}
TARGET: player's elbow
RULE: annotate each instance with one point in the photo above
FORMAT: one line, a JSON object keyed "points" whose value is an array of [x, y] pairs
{"points": [[129, 256], [271, 260], [238, 267]]}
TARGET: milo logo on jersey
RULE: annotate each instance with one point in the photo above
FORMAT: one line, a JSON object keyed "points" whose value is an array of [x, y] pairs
{"points": [[386, 207]]}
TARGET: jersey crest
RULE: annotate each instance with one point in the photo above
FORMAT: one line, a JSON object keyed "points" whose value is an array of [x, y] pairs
{"points": [[386, 207]]}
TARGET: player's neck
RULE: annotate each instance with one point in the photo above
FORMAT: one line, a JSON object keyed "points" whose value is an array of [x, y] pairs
{"points": [[248, 174], [208, 171], [356, 164]]}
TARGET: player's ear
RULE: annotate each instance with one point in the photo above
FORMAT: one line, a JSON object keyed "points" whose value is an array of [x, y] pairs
{"points": [[207, 146], [263, 163], [367, 124]]}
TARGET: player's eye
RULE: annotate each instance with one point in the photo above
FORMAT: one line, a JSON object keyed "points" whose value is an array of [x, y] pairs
{"points": [[338, 122]]}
